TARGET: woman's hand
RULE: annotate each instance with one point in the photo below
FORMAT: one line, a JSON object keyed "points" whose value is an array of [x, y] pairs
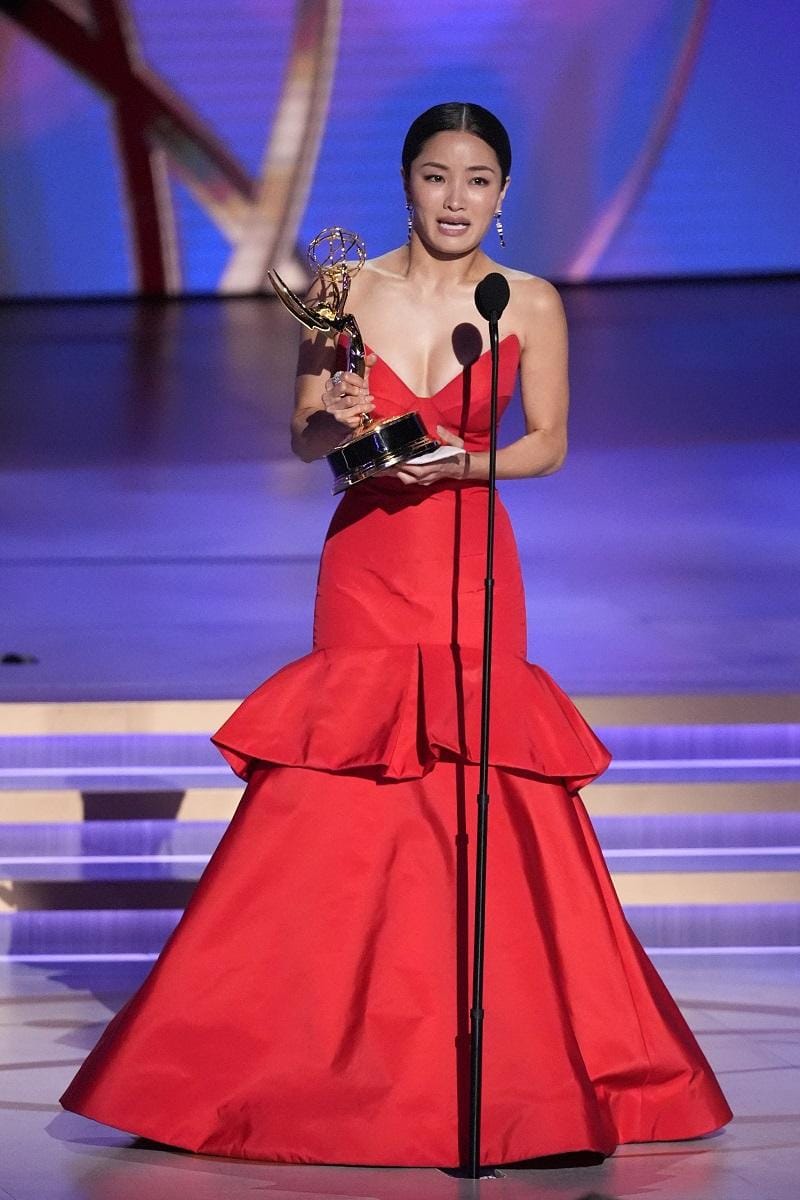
{"points": [[425, 474], [347, 396]]}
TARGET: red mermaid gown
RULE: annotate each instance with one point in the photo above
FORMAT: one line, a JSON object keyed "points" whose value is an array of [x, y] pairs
{"points": [[312, 1004]]}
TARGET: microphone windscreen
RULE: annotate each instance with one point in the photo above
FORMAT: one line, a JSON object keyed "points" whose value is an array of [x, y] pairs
{"points": [[492, 295]]}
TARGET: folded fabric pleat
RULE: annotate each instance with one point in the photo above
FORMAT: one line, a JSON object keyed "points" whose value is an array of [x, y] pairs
{"points": [[397, 710]]}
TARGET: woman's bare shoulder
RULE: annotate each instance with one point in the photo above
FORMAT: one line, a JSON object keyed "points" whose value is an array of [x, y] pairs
{"points": [[535, 310], [531, 292], [532, 287], [533, 297], [378, 272], [393, 261]]}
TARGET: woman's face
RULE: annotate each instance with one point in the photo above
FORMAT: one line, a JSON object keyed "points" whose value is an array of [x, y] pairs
{"points": [[455, 186]]}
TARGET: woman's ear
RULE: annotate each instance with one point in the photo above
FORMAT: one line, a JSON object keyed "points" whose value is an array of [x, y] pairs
{"points": [[503, 190]]}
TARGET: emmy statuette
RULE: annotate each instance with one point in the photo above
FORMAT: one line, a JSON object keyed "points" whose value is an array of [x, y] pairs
{"points": [[336, 255]]}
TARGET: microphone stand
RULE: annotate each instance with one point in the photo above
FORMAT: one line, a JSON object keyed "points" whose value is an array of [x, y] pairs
{"points": [[491, 298], [476, 1011]]}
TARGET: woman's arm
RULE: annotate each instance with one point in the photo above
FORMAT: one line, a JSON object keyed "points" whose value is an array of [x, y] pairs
{"points": [[545, 390], [324, 413]]}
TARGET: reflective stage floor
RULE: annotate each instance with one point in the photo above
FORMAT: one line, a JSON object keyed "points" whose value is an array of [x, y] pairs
{"points": [[160, 541], [745, 1010], [158, 560]]}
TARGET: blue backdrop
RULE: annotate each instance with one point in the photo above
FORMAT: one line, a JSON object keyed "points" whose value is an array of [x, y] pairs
{"points": [[650, 136]]}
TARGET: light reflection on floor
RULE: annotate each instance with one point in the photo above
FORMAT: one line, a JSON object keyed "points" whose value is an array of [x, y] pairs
{"points": [[744, 1010]]}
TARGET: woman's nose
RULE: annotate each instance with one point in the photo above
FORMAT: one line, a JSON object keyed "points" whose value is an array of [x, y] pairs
{"points": [[454, 199]]}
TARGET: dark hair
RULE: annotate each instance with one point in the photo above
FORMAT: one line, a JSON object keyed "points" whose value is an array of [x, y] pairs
{"points": [[459, 117]]}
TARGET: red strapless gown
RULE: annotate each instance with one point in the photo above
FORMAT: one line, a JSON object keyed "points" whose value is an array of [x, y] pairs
{"points": [[312, 1004]]}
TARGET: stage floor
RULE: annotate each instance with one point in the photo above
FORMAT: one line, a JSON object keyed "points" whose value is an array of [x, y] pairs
{"points": [[744, 1009], [160, 541]]}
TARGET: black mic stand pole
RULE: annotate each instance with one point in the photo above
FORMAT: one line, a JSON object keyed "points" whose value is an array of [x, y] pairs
{"points": [[491, 297], [476, 1011]]}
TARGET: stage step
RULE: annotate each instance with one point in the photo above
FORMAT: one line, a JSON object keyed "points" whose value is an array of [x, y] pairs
{"points": [[662, 929], [108, 815], [157, 761], [65, 805], [168, 849]]}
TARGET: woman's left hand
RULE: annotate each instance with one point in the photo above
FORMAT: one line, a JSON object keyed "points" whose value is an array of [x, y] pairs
{"points": [[424, 474]]}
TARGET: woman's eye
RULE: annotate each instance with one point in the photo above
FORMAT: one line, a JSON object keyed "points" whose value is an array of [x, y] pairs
{"points": [[480, 179], [434, 178]]}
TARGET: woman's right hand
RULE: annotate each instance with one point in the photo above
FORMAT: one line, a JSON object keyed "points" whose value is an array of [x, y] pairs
{"points": [[347, 396]]}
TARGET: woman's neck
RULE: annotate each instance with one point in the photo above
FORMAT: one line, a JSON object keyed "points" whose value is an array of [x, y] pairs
{"points": [[433, 271]]}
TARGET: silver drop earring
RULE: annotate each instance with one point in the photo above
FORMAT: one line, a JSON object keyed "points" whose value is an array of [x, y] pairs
{"points": [[499, 224], [410, 211]]}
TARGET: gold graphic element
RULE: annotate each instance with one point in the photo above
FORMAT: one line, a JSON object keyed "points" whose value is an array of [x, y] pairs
{"points": [[155, 129]]}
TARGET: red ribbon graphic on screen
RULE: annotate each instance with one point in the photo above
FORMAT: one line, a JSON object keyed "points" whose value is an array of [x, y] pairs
{"points": [[155, 128]]}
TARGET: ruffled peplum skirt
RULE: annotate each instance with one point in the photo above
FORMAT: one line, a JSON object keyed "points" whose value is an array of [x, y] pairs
{"points": [[312, 1005]]}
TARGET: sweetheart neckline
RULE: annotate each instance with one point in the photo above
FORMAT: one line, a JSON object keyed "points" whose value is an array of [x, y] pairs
{"points": [[450, 382]]}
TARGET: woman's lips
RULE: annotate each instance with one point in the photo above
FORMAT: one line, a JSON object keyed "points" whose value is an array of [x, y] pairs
{"points": [[453, 228]]}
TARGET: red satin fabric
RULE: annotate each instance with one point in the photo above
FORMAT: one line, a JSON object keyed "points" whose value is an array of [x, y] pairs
{"points": [[312, 1004]]}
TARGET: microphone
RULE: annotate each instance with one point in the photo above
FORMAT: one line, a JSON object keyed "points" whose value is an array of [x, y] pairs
{"points": [[491, 296]]}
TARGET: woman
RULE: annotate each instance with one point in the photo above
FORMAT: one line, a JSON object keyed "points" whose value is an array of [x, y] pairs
{"points": [[312, 1005]]}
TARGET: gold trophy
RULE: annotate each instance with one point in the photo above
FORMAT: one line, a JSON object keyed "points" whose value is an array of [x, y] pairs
{"points": [[336, 255]]}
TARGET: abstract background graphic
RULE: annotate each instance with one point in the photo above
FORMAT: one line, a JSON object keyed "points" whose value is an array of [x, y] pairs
{"points": [[185, 147]]}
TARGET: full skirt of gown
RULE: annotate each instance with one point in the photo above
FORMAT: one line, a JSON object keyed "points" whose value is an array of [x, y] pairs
{"points": [[312, 1004]]}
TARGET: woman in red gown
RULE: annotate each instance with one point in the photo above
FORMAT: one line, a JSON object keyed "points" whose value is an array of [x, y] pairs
{"points": [[312, 1004]]}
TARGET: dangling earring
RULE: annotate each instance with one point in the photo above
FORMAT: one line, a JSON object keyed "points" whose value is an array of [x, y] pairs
{"points": [[499, 224], [410, 211]]}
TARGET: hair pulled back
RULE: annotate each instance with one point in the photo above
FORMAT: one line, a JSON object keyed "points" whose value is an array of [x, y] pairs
{"points": [[458, 117]]}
